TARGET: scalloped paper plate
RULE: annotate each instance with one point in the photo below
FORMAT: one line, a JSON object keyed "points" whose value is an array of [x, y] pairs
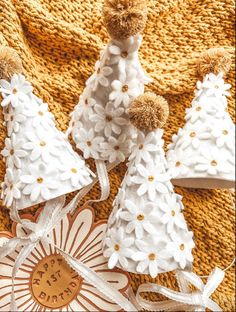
{"points": [[45, 282]]}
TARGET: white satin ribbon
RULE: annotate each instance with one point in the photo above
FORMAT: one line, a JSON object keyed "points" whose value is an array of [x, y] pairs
{"points": [[51, 215], [185, 300]]}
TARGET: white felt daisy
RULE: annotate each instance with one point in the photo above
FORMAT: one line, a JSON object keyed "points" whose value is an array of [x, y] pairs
{"points": [[215, 85], [41, 145], [13, 119], [199, 87], [212, 162], [116, 149], [12, 187], [40, 182], [179, 162], [74, 172], [175, 139], [118, 248], [152, 180], [85, 107], [172, 216], [224, 133], [88, 143], [199, 112], [125, 51], [108, 119], [13, 151], [16, 91], [150, 256], [100, 76], [181, 248], [124, 90], [192, 136], [145, 146], [40, 114], [140, 217]]}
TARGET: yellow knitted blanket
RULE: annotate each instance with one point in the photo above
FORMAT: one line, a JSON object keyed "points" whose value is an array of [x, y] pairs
{"points": [[59, 42]]}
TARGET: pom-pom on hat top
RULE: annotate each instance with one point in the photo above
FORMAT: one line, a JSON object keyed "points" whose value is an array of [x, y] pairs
{"points": [[147, 232], [124, 18], [40, 162], [202, 154], [100, 126]]}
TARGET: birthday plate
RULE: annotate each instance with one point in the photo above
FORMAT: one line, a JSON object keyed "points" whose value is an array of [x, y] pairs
{"points": [[45, 282]]}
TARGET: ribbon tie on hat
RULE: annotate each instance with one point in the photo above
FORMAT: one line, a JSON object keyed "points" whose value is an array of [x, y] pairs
{"points": [[50, 216], [185, 300]]}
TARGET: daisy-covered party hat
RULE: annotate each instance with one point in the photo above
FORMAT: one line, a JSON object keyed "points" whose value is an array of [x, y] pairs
{"points": [[202, 154], [147, 232], [40, 162], [100, 125]]}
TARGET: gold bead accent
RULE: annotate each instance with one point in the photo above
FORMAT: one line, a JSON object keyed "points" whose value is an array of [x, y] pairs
{"points": [[124, 54], [152, 257], [116, 148], [89, 143], [214, 163], [225, 132], [178, 164], [192, 134], [216, 87], [73, 170], [98, 71], [173, 213], [182, 247], [125, 88], [40, 180], [108, 118], [40, 113], [42, 143], [151, 178], [11, 187], [14, 91], [86, 102], [198, 109], [117, 247], [141, 146], [12, 152], [140, 217]]}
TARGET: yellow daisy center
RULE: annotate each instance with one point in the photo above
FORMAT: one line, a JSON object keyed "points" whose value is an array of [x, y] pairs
{"points": [[192, 134], [140, 217], [125, 88], [151, 178], [43, 143], [40, 180], [73, 170], [152, 257], [214, 163], [117, 247]]}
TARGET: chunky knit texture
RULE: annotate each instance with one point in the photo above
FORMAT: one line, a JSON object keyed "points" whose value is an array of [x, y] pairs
{"points": [[59, 42]]}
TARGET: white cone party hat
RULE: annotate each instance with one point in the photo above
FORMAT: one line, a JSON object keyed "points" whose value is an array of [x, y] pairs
{"points": [[147, 232], [99, 125], [40, 162], [202, 154]]}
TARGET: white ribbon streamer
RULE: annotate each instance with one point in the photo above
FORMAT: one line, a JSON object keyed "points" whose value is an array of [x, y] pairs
{"points": [[185, 300], [51, 215]]}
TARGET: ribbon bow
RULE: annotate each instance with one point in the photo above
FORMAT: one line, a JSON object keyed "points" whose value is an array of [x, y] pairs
{"points": [[51, 215], [185, 300]]}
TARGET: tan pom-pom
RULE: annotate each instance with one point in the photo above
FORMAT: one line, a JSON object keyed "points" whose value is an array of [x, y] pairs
{"points": [[149, 112], [10, 63], [124, 18], [214, 61]]}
